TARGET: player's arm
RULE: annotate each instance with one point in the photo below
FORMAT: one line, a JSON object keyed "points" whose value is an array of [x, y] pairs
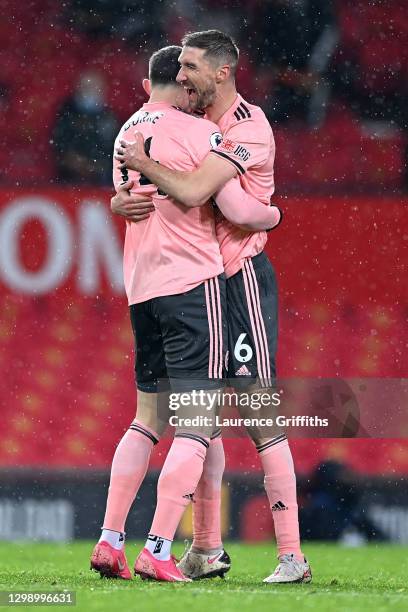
{"points": [[190, 188], [245, 211], [134, 207]]}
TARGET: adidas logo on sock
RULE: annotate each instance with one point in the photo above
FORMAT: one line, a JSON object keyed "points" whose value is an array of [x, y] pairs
{"points": [[243, 371], [279, 506]]}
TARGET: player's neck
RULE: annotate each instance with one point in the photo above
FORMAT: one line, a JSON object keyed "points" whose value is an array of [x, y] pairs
{"points": [[163, 96], [225, 98]]}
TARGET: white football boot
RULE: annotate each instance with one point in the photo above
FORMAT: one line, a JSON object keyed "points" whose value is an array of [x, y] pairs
{"points": [[290, 570], [197, 566]]}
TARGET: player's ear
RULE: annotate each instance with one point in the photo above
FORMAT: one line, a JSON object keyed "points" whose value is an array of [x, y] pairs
{"points": [[223, 73], [147, 86]]}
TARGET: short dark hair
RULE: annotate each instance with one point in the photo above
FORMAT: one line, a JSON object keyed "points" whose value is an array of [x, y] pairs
{"points": [[218, 46], [164, 66]]}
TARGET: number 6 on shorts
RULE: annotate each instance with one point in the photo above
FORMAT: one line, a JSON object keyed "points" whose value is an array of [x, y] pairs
{"points": [[242, 352]]}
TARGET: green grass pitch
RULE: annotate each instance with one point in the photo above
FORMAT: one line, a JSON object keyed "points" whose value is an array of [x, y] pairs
{"points": [[372, 577]]}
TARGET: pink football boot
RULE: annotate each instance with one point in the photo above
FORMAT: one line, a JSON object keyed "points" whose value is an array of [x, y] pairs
{"points": [[109, 562], [150, 568]]}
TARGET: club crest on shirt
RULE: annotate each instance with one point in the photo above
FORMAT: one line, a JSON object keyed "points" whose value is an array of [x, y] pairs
{"points": [[235, 148], [228, 145]]}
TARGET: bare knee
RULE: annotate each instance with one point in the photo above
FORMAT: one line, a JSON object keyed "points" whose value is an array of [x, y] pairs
{"points": [[152, 411]]}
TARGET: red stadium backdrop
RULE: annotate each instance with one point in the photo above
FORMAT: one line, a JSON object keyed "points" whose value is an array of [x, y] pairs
{"points": [[66, 345]]}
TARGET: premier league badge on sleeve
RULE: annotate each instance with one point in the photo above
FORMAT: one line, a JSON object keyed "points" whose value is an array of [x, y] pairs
{"points": [[215, 139]]}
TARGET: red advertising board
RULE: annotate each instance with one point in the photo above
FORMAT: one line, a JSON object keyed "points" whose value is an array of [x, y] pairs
{"points": [[66, 355]]}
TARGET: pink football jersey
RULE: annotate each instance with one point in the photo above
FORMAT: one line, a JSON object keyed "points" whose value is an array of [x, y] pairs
{"points": [[249, 145], [176, 248]]}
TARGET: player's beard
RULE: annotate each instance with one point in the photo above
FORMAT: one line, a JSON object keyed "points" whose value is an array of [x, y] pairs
{"points": [[206, 97], [200, 99]]}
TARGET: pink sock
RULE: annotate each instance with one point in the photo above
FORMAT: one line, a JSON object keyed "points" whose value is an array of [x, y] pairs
{"points": [[280, 486], [129, 466], [178, 482], [207, 498]]}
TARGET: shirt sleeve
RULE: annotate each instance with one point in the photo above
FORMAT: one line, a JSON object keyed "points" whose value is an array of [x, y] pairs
{"points": [[245, 146], [205, 137], [242, 209]]}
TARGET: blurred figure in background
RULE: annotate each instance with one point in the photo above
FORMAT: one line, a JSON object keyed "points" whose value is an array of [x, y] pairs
{"points": [[332, 507], [370, 71], [139, 22], [83, 134], [293, 47]]}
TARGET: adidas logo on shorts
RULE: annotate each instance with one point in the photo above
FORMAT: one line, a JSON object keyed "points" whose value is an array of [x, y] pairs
{"points": [[279, 506], [243, 371]]}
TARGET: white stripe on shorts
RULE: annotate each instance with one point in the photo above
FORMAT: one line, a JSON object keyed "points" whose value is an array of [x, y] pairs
{"points": [[257, 323], [214, 314]]}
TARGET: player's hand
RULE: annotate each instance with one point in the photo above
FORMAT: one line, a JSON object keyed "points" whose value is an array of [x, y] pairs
{"points": [[279, 216], [132, 154], [133, 207]]}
